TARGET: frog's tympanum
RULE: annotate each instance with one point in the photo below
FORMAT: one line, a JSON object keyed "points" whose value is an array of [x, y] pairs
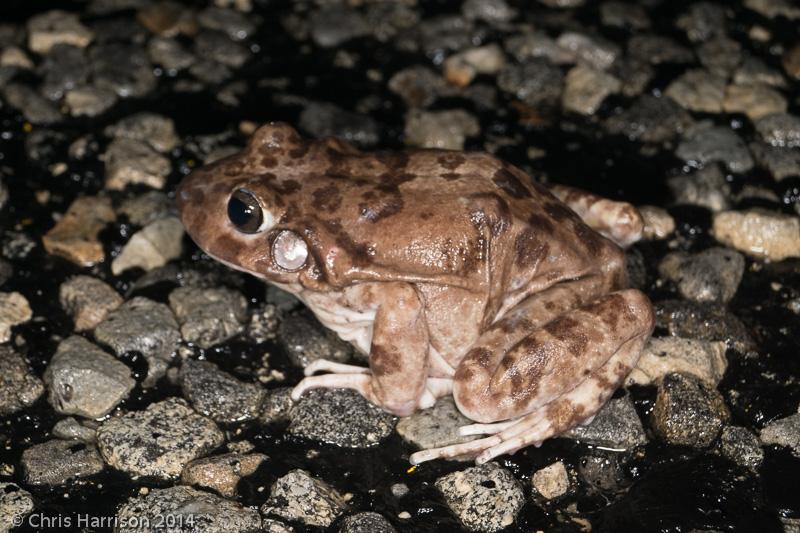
{"points": [[455, 272]]}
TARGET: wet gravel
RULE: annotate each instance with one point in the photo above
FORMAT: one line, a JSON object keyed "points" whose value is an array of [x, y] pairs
{"points": [[141, 380]]}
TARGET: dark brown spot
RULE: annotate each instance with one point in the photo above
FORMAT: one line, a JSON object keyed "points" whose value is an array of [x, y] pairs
{"points": [[450, 176], [591, 240], [530, 251], [506, 180], [541, 223], [569, 331], [300, 150], [479, 356], [494, 212], [359, 253], [286, 186], [426, 215], [384, 361], [269, 161], [384, 207], [393, 161], [559, 212], [328, 198]]}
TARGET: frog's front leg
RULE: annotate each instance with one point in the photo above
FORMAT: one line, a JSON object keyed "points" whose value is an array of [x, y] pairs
{"points": [[551, 379], [397, 379]]}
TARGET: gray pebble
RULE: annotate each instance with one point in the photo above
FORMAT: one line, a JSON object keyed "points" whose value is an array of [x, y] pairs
{"points": [[34, 107], [705, 187], [780, 129], [706, 143], [65, 67], [418, 86], [45, 30], [536, 82], [89, 101], [277, 406], [208, 316], [710, 322], [720, 55], [55, 461], [783, 432], [702, 21], [144, 326], [70, 429], [779, 161], [616, 425], [156, 130], [148, 207], [340, 417], [210, 72], [19, 387], [586, 88], [306, 340], [491, 11], [538, 44], [159, 441], [592, 50], [334, 25], [688, 411], [366, 523], [446, 130], [122, 68], [299, 497], [129, 161], [603, 473], [15, 504], [754, 70], [485, 498], [86, 381], [650, 119], [663, 355], [190, 509], [235, 25], [712, 275], [324, 119], [741, 446], [698, 90], [624, 15], [217, 47], [658, 49], [87, 300], [435, 427], [219, 395], [170, 54]]}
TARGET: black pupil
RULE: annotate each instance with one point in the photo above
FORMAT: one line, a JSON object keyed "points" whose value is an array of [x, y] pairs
{"points": [[244, 211]]}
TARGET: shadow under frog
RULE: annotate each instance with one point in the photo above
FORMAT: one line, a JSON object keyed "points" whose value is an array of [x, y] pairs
{"points": [[455, 272]]}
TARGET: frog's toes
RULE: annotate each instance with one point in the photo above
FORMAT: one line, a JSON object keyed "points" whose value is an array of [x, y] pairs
{"points": [[358, 382], [324, 365], [485, 429]]}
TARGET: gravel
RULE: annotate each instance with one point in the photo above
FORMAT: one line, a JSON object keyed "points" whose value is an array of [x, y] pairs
{"points": [[712, 275], [86, 381], [306, 340], [299, 497], [16, 503], [616, 425], [74, 237], [484, 498], [434, 427], [221, 473], [551, 481], [340, 417], [144, 326], [19, 387], [663, 355], [87, 300], [208, 316], [366, 523], [159, 441], [759, 233], [219, 395], [56, 461], [783, 432], [14, 310], [688, 412], [191, 508]]}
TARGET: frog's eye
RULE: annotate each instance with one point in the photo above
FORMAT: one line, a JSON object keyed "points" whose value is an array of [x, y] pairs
{"points": [[246, 213], [289, 251]]}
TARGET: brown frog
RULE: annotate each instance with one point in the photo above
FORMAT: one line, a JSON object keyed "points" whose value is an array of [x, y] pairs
{"points": [[455, 272]]}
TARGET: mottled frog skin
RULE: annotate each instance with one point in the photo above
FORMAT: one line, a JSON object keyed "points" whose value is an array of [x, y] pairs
{"points": [[455, 272]]}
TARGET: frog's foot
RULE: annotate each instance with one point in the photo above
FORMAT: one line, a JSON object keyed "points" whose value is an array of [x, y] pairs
{"points": [[359, 382], [324, 365], [550, 420]]}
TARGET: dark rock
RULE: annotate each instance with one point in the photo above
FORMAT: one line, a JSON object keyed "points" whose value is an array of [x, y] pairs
{"points": [[485, 498], [712, 275], [208, 316], [19, 387], [306, 340], [323, 120], [688, 411], [156, 130], [35, 108], [705, 143], [366, 523], [536, 82], [705, 187], [340, 417], [741, 446], [299, 497], [219, 395], [334, 25], [650, 119], [159, 441], [55, 461], [616, 425], [122, 68], [711, 322], [65, 67], [87, 300]]}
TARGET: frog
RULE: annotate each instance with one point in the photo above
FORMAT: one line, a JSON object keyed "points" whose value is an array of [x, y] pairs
{"points": [[455, 274]]}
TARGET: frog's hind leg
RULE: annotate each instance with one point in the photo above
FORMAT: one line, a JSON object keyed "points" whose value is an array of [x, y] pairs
{"points": [[553, 378], [618, 221]]}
